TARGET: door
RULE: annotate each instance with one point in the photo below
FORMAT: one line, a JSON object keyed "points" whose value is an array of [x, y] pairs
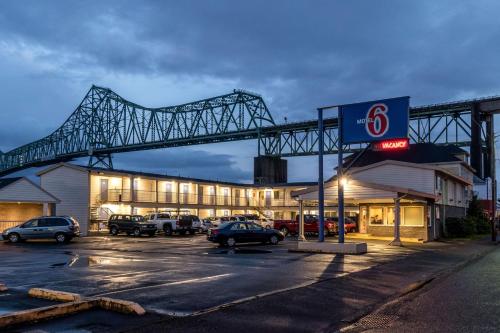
{"points": [[363, 219], [32, 229], [256, 233], [126, 223], [268, 198], [225, 192], [240, 232], [168, 193], [185, 193], [104, 189], [237, 197], [46, 227], [200, 195]]}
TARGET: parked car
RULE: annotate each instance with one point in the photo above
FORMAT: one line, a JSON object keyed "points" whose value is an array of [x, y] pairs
{"points": [[349, 224], [231, 233], [170, 224], [216, 221], [61, 228], [196, 226], [238, 218], [206, 224], [131, 224], [311, 225], [265, 223]]}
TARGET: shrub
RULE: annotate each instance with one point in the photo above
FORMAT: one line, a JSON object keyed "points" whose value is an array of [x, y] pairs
{"points": [[482, 225], [460, 227]]}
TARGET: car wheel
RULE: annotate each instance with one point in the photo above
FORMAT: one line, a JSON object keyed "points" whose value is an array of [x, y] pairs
{"points": [[114, 230], [192, 232], [14, 237], [151, 234], [137, 232], [61, 238], [182, 232], [274, 240], [231, 242], [167, 229], [284, 231]]}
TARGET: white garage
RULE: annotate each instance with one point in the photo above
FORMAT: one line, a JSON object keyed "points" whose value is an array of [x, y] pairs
{"points": [[21, 199]]}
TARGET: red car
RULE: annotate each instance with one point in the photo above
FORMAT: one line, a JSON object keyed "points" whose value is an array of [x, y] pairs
{"points": [[349, 224], [311, 225]]}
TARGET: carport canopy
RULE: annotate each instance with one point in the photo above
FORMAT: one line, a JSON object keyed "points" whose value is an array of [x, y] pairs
{"points": [[356, 192], [21, 199]]}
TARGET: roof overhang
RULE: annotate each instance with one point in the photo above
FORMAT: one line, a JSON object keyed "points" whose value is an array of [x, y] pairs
{"points": [[363, 191]]}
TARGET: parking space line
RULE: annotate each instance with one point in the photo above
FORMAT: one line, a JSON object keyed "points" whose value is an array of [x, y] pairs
{"points": [[197, 280]]}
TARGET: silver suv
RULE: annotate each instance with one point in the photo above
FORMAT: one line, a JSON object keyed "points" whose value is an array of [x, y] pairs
{"points": [[60, 228]]}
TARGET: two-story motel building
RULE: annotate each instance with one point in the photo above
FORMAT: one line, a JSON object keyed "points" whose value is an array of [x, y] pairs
{"points": [[429, 182]]}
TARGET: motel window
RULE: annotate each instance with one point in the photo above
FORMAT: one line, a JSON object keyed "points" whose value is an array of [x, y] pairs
{"points": [[276, 195], [439, 186], [376, 215], [413, 216], [390, 216]]}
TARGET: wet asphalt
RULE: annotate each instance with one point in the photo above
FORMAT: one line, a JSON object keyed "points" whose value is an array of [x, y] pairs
{"points": [[175, 277]]}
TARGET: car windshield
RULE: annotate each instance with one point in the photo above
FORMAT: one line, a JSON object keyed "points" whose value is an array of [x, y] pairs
{"points": [[137, 218]]}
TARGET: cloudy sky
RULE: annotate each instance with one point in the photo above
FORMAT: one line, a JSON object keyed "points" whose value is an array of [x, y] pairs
{"points": [[297, 54]]}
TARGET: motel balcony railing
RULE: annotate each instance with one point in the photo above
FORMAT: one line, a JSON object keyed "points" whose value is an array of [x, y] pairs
{"points": [[118, 195], [115, 195]]}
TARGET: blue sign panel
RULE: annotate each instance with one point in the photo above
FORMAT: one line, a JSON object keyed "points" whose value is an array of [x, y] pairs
{"points": [[375, 120]]}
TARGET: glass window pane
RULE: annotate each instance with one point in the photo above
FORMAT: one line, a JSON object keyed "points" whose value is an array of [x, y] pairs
{"points": [[413, 216], [376, 215], [390, 216]]}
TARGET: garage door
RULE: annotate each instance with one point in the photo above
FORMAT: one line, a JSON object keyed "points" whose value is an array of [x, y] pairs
{"points": [[11, 214]]}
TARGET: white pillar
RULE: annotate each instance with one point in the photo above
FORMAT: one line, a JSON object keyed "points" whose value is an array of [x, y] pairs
{"points": [[301, 221], [46, 209], [397, 221]]}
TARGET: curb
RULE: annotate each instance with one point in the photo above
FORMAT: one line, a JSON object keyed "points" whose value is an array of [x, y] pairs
{"points": [[119, 305], [73, 303], [46, 312], [54, 295]]}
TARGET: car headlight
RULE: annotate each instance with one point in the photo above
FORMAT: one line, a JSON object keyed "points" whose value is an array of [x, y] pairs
{"points": [[6, 231]]}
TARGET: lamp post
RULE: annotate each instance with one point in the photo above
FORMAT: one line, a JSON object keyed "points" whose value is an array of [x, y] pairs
{"points": [[321, 190]]}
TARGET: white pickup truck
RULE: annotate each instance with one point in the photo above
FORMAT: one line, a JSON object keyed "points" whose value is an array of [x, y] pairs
{"points": [[170, 223]]}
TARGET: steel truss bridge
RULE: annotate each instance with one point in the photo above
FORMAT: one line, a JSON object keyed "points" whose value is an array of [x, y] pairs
{"points": [[105, 123]]}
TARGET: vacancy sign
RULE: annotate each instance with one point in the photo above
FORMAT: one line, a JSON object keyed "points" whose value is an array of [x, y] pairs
{"points": [[376, 120]]}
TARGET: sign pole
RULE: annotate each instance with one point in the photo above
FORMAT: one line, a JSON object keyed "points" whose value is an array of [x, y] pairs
{"points": [[321, 190], [340, 186]]}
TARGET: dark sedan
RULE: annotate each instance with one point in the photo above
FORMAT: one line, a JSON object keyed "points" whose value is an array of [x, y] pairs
{"points": [[230, 233]]}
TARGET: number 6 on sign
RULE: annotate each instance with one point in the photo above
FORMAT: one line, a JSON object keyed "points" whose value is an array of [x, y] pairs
{"points": [[376, 120]]}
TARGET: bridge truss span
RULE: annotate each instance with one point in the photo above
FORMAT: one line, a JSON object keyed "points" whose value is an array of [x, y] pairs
{"points": [[106, 123]]}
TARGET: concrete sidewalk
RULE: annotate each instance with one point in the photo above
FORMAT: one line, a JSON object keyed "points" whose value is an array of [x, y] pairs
{"points": [[331, 303]]}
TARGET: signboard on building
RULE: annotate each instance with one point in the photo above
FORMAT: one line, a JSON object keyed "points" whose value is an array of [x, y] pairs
{"points": [[375, 120], [392, 144]]}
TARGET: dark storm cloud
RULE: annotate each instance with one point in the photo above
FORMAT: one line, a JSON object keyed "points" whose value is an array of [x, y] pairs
{"points": [[185, 162], [297, 54]]}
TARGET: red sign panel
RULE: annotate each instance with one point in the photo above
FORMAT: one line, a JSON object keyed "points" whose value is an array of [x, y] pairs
{"points": [[393, 144]]}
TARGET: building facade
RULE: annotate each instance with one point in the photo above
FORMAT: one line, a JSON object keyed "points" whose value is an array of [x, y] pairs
{"points": [[91, 195]]}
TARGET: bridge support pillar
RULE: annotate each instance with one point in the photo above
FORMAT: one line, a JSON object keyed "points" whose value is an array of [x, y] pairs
{"points": [[102, 160], [476, 148], [269, 170]]}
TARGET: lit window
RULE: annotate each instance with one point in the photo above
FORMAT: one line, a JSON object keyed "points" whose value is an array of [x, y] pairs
{"points": [[376, 215], [413, 216], [390, 216]]}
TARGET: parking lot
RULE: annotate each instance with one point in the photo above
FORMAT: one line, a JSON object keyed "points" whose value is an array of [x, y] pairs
{"points": [[179, 275], [175, 275]]}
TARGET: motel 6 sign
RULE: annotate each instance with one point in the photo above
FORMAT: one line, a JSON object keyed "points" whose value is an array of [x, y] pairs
{"points": [[375, 120]]}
